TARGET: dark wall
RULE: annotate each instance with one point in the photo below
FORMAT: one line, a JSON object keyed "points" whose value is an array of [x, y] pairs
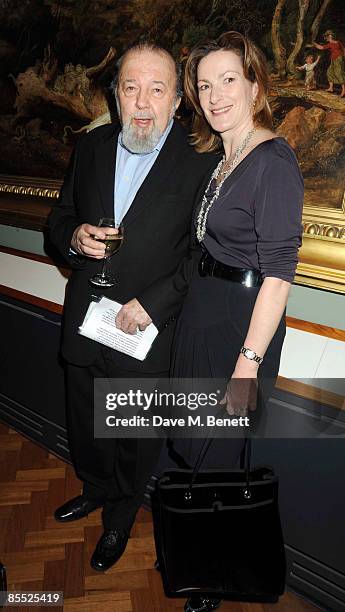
{"points": [[31, 374]]}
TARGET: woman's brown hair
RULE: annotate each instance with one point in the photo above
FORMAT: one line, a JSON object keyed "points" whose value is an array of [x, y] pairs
{"points": [[255, 70]]}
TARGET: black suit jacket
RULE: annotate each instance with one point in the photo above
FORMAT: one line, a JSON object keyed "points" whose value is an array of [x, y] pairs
{"points": [[152, 264]]}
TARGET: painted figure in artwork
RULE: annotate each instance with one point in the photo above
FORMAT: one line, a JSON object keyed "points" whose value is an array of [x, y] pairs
{"points": [[309, 67], [336, 69]]}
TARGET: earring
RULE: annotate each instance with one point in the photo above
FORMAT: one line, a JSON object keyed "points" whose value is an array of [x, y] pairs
{"points": [[253, 105]]}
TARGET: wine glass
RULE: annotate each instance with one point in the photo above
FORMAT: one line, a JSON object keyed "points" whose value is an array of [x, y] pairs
{"points": [[112, 244]]}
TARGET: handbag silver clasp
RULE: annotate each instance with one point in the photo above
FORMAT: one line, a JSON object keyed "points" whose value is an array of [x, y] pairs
{"points": [[247, 494]]}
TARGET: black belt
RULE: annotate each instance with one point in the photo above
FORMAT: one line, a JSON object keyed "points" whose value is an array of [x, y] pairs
{"points": [[211, 267]]}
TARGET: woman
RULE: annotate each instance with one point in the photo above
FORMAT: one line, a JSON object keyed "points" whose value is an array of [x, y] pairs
{"points": [[336, 69], [249, 226]]}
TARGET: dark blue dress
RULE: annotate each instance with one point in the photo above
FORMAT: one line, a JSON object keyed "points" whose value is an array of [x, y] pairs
{"points": [[255, 223]]}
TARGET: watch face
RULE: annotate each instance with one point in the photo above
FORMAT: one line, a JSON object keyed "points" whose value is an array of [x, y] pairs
{"points": [[250, 354]]}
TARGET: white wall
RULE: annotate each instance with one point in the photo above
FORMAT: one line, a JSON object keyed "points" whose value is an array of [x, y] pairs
{"points": [[305, 355]]}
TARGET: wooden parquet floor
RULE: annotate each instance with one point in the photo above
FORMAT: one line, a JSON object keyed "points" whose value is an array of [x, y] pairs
{"points": [[41, 554]]}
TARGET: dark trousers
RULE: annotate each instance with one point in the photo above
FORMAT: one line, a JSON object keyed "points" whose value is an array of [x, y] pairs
{"points": [[113, 471]]}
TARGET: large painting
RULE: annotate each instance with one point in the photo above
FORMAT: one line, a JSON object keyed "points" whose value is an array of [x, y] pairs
{"points": [[57, 60]]}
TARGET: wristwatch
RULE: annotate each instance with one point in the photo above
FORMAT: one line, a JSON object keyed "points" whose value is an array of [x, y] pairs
{"points": [[249, 354]]}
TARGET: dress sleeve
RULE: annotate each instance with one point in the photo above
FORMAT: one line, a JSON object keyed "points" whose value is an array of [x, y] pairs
{"points": [[278, 216]]}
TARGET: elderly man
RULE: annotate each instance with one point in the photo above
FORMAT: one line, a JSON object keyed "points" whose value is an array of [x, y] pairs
{"points": [[147, 176]]}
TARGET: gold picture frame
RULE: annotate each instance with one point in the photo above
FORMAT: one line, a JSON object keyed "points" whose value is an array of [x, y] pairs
{"points": [[24, 186], [321, 257]]}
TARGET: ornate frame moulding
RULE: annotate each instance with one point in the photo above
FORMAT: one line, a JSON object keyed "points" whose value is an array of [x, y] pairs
{"points": [[27, 186], [322, 256]]}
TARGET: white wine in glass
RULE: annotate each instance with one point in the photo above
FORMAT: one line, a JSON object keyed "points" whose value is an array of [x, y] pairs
{"points": [[112, 244]]}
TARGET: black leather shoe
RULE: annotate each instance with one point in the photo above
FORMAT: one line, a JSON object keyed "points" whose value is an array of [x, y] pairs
{"points": [[75, 509], [201, 604], [110, 547]]}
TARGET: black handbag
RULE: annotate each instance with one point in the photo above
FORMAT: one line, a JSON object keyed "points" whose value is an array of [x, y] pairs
{"points": [[218, 532]]}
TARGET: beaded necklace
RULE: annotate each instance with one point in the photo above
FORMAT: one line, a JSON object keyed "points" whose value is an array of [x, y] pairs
{"points": [[205, 205]]}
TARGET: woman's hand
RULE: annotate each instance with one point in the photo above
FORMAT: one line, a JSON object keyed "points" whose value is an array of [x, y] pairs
{"points": [[241, 391]]}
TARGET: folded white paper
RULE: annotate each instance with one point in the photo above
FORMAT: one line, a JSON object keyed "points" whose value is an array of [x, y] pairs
{"points": [[99, 325]]}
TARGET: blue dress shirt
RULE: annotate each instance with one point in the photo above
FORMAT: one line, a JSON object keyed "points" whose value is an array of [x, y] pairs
{"points": [[131, 171]]}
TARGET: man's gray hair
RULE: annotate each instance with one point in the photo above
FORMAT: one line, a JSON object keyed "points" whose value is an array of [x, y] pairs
{"points": [[147, 46]]}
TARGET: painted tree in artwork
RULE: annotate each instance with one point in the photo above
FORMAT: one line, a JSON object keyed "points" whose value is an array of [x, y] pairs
{"points": [[308, 11], [303, 6], [314, 30], [278, 49]]}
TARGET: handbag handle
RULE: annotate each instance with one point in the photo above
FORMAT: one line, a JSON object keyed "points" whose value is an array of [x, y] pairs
{"points": [[245, 461]]}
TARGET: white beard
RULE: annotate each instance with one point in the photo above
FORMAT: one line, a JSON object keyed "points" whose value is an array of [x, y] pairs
{"points": [[137, 141]]}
